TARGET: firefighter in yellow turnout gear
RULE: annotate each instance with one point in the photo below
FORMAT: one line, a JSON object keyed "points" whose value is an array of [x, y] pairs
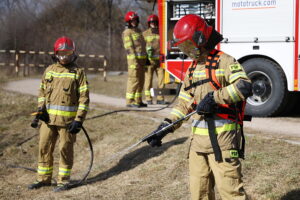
{"points": [[216, 87], [63, 101], [134, 44], [151, 36]]}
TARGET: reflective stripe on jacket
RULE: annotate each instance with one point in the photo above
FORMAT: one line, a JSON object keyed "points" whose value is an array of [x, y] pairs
{"points": [[65, 94], [135, 47], [228, 77]]}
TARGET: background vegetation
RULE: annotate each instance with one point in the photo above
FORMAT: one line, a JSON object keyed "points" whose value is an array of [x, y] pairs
{"points": [[94, 25]]}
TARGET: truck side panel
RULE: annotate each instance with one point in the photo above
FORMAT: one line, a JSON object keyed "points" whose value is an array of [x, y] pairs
{"points": [[283, 52], [263, 28], [267, 20]]}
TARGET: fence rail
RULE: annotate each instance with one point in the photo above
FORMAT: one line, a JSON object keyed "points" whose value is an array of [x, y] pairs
{"points": [[26, 60]]}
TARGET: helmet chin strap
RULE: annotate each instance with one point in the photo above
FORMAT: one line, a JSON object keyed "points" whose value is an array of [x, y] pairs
{"points": [[202, 54]]}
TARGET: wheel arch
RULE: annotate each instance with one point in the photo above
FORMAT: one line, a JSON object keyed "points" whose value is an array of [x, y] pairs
{"points": [[247, 57]]}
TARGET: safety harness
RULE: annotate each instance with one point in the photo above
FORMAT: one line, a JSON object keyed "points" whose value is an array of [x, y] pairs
{"points": [[234, 112]]}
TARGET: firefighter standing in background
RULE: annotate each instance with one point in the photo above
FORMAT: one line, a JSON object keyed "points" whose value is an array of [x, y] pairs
{"points": [[136, 58], [62, 105], [216, 86], [151, 36]]}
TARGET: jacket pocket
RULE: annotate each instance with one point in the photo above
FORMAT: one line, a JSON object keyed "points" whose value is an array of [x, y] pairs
{"points": [[231, 166], [69, 92], [48, 87]]}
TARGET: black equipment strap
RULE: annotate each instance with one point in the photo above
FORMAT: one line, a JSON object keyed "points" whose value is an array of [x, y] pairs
{"points": [[192, 85], [191, 72], [213, 137], [242, 149]]}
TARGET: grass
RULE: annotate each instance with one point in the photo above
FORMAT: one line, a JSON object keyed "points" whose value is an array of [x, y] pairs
{"points": [[271, 168], [116, 85]]}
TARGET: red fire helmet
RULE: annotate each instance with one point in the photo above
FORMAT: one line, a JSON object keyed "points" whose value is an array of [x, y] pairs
{"points": [[131, 16], [152, 18], [64, 44], [193, 28]]}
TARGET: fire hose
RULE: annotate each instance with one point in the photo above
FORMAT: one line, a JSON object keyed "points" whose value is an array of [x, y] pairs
{"points": [[144, 139], [114, 156], [34, 124]]}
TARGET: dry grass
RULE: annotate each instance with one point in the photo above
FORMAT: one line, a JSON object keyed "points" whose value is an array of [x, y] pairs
{"points": [[114, 86], [271, 169]]}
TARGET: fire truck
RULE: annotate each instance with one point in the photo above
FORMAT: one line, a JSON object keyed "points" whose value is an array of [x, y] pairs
{"points": [[263, 35]]}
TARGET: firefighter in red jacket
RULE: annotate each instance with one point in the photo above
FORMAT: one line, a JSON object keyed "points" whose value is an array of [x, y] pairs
{"points": [[216, 86]]}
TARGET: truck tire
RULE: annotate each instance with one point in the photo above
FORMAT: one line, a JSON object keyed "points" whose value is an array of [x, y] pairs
{"points": [[269, 88]]}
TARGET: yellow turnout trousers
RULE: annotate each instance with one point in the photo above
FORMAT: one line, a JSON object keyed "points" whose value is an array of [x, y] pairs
{"points": [[205, 173], [150, 69], [48, 137], [135, 85]]}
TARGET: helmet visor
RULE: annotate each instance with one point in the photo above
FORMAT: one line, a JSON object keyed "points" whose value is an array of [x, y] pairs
{"points": [[65, 57], [64, 53], [189, 49]]}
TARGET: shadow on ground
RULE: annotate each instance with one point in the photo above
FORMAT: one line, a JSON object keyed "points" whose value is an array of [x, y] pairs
{"points": [[134, 159], [291, 195]]}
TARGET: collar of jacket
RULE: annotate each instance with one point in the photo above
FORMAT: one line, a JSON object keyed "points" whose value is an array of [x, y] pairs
{"points": [[203, 57], [68, 66], [154, 30]]}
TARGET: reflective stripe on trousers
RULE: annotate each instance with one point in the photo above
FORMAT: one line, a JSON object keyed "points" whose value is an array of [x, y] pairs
{"points": [[45, 170], [64, 172], [137, 56]]}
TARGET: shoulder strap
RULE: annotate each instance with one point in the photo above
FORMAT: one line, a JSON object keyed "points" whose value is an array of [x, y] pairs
{"points": [[211, 65], [191, 71]]}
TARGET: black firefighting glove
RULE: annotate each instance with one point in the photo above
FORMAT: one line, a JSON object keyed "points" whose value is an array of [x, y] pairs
{"points": [[155, 140], [207, 105], [43, 115], [75, 127], [147, 62]]}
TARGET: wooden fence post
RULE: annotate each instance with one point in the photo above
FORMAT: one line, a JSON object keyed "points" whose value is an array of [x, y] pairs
{"points": [[104, 69], [17, 67]]}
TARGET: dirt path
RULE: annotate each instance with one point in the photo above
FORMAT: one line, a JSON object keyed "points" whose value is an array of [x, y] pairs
{"points": [[282, 127], [30, 86]]}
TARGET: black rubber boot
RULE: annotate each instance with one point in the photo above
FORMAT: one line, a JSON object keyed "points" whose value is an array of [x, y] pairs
{"points": [[162, 102], [150, 102], [37, 185], [142, 105], [133, 105], [61, 187]]}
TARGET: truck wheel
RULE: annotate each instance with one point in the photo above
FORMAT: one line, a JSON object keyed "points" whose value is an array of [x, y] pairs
{"points": [[269, 87]]}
